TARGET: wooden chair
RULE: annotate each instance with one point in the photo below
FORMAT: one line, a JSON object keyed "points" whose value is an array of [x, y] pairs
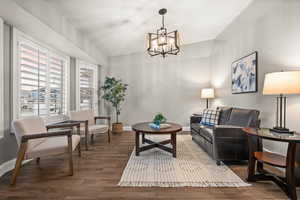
{"points": [[90, 124], [34, 142]]}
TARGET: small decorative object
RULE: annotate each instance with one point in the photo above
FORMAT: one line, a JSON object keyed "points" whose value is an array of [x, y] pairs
{"points": [[115, 92], [159, 126], [244, 74], [207, 93], [159, 119], [281, 83], [163, 42]]}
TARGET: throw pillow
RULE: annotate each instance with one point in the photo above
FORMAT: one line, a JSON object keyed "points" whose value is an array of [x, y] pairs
{"points": [[210, 117]]}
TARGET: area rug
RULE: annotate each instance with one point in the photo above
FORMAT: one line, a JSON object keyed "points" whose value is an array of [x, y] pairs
{"points": [[192, 168]]}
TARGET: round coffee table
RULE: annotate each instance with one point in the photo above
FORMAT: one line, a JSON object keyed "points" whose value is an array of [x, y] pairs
{"points": [[143, 129]]}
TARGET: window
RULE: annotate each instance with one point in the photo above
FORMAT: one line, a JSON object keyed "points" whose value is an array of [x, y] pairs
{"points": [[87, 97], [41, 75], [1, 79]]}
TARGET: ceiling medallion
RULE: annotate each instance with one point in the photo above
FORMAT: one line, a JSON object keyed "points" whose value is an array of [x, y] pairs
{"points": [[162, 42]]}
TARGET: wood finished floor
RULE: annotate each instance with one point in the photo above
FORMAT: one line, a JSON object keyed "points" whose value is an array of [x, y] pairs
{"points": [[97, 173]]}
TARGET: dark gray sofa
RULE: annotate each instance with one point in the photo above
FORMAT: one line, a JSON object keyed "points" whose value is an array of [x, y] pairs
{"points": [[225, 141]]}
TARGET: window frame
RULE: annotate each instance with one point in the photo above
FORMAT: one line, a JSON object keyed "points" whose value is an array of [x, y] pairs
{"points": [[82, 64], [18, 37], [1, 77]]}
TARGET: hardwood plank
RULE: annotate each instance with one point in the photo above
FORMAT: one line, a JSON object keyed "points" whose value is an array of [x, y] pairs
{"points": [[98, 171]]}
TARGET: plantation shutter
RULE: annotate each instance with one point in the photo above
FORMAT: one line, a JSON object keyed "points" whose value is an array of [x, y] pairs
{"points": [[87, 90], [33, 71], [42, 81], [56, 85]]}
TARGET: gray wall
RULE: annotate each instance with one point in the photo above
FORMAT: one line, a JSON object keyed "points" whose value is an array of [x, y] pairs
{"points": [[8, 143], [72, 84], [273, 29], [171, 85]]}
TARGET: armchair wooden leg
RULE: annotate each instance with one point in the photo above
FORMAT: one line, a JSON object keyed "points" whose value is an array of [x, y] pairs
{"points": [[79, 149], [86, 137], [18, 165], [70, 155], [38, 160], [108, 135], [92, 138], [79, 145]]}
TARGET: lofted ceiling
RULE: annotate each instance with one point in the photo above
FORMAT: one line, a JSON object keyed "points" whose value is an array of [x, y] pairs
{"points": [[119, 27]]}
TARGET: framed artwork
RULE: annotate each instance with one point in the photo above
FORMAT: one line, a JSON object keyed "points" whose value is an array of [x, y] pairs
{"points": [[244, 74]]}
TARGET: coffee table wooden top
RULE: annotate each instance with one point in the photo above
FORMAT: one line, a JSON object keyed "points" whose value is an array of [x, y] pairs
{"points": [[144, 128]]}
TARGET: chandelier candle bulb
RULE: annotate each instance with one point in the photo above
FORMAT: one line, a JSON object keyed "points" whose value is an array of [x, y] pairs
{"points": [[162, 42]]}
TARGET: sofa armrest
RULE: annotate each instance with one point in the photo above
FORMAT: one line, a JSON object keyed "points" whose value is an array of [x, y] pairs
{"points": [[195, 119], [228, 131]]}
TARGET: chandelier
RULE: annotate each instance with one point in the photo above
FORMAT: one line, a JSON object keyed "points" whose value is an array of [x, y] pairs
{"points": [[162, 42]]}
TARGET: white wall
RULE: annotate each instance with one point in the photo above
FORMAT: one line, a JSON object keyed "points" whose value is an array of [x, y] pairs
{"points": [[1, 78], [42, 21], [273, 29], [171, 85]]}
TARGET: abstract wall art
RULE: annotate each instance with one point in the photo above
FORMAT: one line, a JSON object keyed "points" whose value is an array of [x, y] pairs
{"points": [[244, 74]]}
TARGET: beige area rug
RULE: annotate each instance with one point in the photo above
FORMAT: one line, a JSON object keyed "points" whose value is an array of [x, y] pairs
{"points": [[192, 168]]}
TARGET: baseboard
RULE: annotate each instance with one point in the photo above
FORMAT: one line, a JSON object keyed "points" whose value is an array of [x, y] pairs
{"points": [[10, 165], [184, 128], [127, 128]]}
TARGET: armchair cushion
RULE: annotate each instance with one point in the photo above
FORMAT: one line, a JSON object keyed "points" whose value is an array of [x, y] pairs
{"points": [[94, 129], [52, 146]]}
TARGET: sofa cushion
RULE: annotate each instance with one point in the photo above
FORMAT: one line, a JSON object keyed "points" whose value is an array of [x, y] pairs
{"points": [[224, 114], [207, 133], [242, 117], [210, 117], [204, 131]]}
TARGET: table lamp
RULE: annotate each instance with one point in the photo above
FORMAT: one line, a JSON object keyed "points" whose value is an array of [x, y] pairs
{"points": [[281, 84], [207, 93]]}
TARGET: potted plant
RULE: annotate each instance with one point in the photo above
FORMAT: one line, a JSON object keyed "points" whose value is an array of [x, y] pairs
{"points": [[115, 92], [159, 119]]}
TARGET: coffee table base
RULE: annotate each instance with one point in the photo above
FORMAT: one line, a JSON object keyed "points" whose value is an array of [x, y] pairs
{"points": [[152, 144]]}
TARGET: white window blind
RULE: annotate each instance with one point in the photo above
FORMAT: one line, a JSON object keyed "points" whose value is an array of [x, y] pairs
{"points": [[87, 86], [42, 85]]}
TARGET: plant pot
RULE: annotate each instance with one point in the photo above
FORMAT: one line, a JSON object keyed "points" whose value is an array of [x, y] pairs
{"points": [[117, 127]]}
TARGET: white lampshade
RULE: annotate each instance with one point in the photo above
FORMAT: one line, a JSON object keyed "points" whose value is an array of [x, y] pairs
{"points": [[282, 83], [207, 93]]}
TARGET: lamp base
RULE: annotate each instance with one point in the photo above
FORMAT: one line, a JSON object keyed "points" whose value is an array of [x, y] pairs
{"points": [[281, 130]]}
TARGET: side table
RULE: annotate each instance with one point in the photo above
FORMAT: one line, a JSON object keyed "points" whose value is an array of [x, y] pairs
{"points": [[258, 157]]}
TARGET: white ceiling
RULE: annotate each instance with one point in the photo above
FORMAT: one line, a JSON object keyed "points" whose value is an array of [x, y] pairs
{"points": [[119, 27]]}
